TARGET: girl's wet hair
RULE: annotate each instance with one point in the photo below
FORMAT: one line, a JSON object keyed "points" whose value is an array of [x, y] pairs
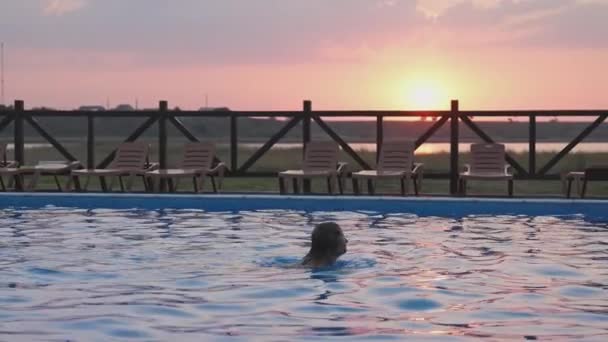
{"points": [[326, 237]]}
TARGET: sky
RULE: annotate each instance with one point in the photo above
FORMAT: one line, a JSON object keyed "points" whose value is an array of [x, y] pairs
{"points": [[340, 54]]}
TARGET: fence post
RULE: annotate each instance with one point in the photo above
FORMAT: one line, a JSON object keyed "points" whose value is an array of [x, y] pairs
{"points": [[162, 139], [532, 146], [307, 110], [379, 135], [90, 141], [454, 139], [234, 147], [19, 139]]}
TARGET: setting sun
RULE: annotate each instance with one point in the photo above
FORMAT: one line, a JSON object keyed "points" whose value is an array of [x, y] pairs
{"points": [[425, 94]]}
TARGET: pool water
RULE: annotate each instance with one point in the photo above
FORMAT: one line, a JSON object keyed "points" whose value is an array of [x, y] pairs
{"points": [[192, 275]]}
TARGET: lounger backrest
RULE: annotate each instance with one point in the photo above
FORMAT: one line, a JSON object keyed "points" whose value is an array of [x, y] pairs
{"points": [[320, 156], [198, 156], [396, 156], [131, 156], [487, 158]]}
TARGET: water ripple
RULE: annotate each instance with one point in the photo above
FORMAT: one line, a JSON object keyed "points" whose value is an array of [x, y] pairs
{"points": [[190, 275]]}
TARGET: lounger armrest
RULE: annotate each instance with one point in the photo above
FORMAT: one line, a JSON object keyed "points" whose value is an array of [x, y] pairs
{"points": [[219, 169], [11, 163], [151, 167], [75, 164], [467, 168], [342, 166], [418, 167], [507, 169]]}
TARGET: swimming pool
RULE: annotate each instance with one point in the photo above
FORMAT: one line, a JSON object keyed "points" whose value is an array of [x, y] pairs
{"points": [[98, 267]]}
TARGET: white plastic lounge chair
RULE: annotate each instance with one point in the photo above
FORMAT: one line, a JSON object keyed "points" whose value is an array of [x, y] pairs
{"points": [[320, 161], [487, 163], [197, 163], [49, 168], [396, 161], [131, 160], [593, 173]]}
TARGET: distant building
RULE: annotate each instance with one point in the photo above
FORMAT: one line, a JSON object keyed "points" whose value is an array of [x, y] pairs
{"points": [[214, 109], [124, 108], [91, 108]]}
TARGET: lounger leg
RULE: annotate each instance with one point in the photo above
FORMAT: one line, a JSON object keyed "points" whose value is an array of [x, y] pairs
{"points": [[296, 189], [329, 187], [195, 184], [86, 182], [130, 181], [72, 180], [177, 179], [58, 183], [213, 185], [220, 179], [146, 181], [355, 186], [402, 186], [569, 191], [111, 185], [170, 185], [584, 188], [370, 186], [2, 184], [33, 181], [463, 187], [281, 185], [510, 188], [102, 182], [122, 184], [306, 185], [154, 180], [18, 179], [415, 182], [341, 185], [334, 182]]}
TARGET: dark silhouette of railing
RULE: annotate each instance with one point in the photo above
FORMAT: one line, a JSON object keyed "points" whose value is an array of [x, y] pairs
{"points": [[19, 116]]}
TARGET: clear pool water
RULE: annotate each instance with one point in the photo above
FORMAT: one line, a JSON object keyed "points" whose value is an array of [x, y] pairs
{"points": [[224, 275]]}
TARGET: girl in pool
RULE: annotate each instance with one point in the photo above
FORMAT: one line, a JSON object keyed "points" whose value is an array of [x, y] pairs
{"points": [[328, 244]]}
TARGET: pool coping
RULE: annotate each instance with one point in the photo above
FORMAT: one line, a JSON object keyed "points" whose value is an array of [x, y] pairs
{"points": [[310, 197]]}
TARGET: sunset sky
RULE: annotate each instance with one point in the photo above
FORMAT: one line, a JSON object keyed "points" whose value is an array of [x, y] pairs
{"points": [[341, 54]]}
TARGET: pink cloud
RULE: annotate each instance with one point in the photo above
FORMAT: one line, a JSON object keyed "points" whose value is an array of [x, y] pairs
{"points": [[61, 7]]}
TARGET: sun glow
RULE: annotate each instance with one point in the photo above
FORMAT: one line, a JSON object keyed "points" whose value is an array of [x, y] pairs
{"points": [[425, 94]]}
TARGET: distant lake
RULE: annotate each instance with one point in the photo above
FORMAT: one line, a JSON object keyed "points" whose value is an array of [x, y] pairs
{"points": [[427, 148], [29, 146], [435, 147]]}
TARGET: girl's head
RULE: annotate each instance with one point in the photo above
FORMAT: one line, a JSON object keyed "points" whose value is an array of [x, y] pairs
{"points": [[328, 240]]}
